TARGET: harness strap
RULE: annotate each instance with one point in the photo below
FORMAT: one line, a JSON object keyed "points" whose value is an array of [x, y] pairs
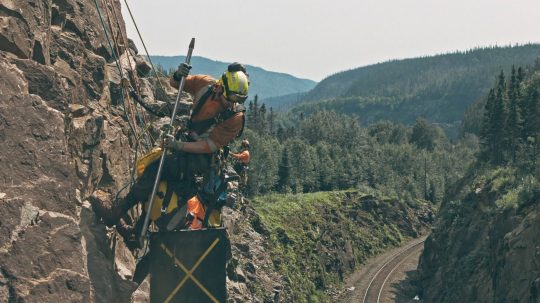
{"points": [[223, 116], [167, 199], [211, 201], [200, 104], [241, 108]]}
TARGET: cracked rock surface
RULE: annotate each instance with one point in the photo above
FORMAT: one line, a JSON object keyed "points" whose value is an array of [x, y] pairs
{"points": [[62, 135]]}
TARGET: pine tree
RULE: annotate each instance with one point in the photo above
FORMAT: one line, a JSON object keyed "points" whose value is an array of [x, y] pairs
{"points": [[531, 126], [523, 106], [498, 123], [262, 119], [280, 133], [432, 193], [424, 135], [271, 118], [284, 175], [520, 75], [487, 135], [255, 122], [250, 118], [513, 125]]}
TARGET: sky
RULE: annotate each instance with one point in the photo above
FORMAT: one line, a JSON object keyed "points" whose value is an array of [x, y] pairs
{"points": [[313, 39]]}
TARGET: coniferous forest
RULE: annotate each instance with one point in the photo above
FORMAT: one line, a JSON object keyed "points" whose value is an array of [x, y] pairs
{"points": [[439, 88], [326, 151]]}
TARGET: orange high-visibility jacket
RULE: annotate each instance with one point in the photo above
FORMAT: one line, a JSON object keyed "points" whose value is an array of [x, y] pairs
{"points": [[242, 157], [223, 133], [196, 209]]}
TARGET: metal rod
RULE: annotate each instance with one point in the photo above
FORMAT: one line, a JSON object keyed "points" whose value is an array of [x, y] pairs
{"points": [[162, 160]]}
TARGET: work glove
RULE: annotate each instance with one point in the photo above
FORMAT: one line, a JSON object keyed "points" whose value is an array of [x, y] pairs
{"points": [[182, 71], [171, 143]]}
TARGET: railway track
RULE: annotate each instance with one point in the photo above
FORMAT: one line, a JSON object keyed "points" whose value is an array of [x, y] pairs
{"points": [[374, 290], [373, 281]]}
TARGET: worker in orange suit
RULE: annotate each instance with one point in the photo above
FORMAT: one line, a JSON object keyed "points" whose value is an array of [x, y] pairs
{"points": [[242, 158], [217, 118]]}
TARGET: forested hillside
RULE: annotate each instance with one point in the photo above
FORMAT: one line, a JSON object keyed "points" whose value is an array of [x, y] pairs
{"points": [[264, 83], [439, 88], [285, 102], [484, 247]]}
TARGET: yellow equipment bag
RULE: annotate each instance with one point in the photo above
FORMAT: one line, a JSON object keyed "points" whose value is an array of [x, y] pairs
{"points": [[148, 159], [214, 220], [161, 195]]}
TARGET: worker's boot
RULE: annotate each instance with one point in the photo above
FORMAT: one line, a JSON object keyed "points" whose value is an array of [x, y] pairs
{"points": [[128, 233], [124, 229], [105, 208]]}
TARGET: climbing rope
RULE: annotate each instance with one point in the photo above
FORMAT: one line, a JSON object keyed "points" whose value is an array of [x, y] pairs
{"points": [[146, 51], [124, 87], [140, 114], [120, 44], [123, 84], [116, 62], [134, 112], [130, 112], [132, 129]]}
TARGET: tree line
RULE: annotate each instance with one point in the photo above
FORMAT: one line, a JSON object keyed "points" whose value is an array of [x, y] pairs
{"points": [[440, 87], [511, 121], [324, 150]]}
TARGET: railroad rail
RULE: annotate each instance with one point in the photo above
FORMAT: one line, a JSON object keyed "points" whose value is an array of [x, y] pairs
{"points": [[376, 285]]}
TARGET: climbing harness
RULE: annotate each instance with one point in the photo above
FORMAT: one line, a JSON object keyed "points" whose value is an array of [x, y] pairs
{"points": [[225, 115]]}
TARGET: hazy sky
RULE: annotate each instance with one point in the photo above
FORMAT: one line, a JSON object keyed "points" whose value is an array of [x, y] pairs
{"points": [[316, 38]]}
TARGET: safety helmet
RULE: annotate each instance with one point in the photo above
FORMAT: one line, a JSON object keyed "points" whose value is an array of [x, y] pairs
{"points": [[235, 83], [245, 143]]}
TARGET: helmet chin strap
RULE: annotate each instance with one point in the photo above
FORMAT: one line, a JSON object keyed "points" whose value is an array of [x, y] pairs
{"points": [[226, 103], [218, 93], [217, 90]]}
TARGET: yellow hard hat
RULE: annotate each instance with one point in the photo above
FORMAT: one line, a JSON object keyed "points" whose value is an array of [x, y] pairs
{"points": [[236, 84]]}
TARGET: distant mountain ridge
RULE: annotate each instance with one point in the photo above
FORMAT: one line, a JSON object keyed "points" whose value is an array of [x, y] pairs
{"points": [[285, 102], [264, 83], [439, 88]]}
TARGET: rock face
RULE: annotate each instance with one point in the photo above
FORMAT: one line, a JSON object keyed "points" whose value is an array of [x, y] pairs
{"points": [[477, 253], [63, 134]]}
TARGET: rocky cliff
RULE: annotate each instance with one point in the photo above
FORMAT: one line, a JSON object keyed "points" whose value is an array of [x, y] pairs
{"points": [[485, 245], [64, 133]]}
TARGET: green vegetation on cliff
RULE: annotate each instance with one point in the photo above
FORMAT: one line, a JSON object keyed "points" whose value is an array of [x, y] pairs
{"points": [[484, 245], [319, 238]]}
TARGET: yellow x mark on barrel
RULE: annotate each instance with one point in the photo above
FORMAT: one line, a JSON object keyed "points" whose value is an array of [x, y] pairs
{"points": [[189, 273]]}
